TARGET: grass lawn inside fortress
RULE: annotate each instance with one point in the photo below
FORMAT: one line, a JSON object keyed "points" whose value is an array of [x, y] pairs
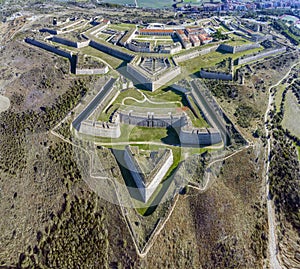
{"points": [[162, 100]]}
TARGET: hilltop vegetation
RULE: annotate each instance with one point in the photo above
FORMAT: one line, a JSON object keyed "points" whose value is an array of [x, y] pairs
{"points": [[53, 219]]}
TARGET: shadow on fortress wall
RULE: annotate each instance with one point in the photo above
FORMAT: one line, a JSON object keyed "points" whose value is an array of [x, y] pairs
{"points": [[73, 62], [172, 137], [133, 189], [129, 181]]}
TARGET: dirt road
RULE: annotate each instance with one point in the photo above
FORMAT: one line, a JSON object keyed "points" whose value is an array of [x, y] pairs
{"points": [[4, 103], [273, 249]]}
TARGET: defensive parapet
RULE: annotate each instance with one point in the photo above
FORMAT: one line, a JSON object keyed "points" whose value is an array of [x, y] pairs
{"points": [[246, 47], [112, 51], [148, 182], [48, 47], [235, 49], [102, 95], [260, 55], [102, 129], [152, 120], [215, 75], [152, 80], [211, 110], [91, 71], [67, 42], [194, 54], [140, 77], [86, 65], [199, 136]]}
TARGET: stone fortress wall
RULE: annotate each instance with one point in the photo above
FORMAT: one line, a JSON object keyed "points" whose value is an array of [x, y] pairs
{"points": [[92, 71], [188, 134], [65, 29], [246, 47], [111, 51], [104, 48], [70, 43], [166, 77], [156, 176], [103, 129], [210, 109], [215, 75], [227, 48], [152, 120], [89, 41], [112, 129], [260, 55], [235, 49], [154, 82], [194, 54], [48, 47], [196, 136], [143, 79], [68, 55], [84, 125]]}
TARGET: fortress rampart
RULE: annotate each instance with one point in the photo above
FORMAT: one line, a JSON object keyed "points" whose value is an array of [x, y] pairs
{"points": [[203, 136], [51, 31], [152, 120], [260, 55], [104, 93], [246, 47], [91, 71], [235, 49], [166, 77], [188, 134], [143, 79], [48, 47], [211, 110], [94, 44], [155, 176], [111, 51], [103, 129], [155, 82], [215, 75], [70, 43], [194, 54]]}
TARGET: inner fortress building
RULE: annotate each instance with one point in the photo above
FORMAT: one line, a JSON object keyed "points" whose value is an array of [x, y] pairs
{"points": [[153, 72]]}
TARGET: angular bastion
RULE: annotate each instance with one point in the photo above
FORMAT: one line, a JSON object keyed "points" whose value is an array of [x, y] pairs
{"points": [[147, 168]]}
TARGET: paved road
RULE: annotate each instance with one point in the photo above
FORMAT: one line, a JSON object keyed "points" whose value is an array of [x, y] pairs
{"points": [[93, 104]]}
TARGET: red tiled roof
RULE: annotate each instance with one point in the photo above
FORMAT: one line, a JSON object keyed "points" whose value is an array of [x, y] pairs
{"points": [[194, 38], [204, 37]]}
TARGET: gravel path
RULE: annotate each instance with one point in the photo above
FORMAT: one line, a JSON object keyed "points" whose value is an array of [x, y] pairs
{"points": [[4, 103]]}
